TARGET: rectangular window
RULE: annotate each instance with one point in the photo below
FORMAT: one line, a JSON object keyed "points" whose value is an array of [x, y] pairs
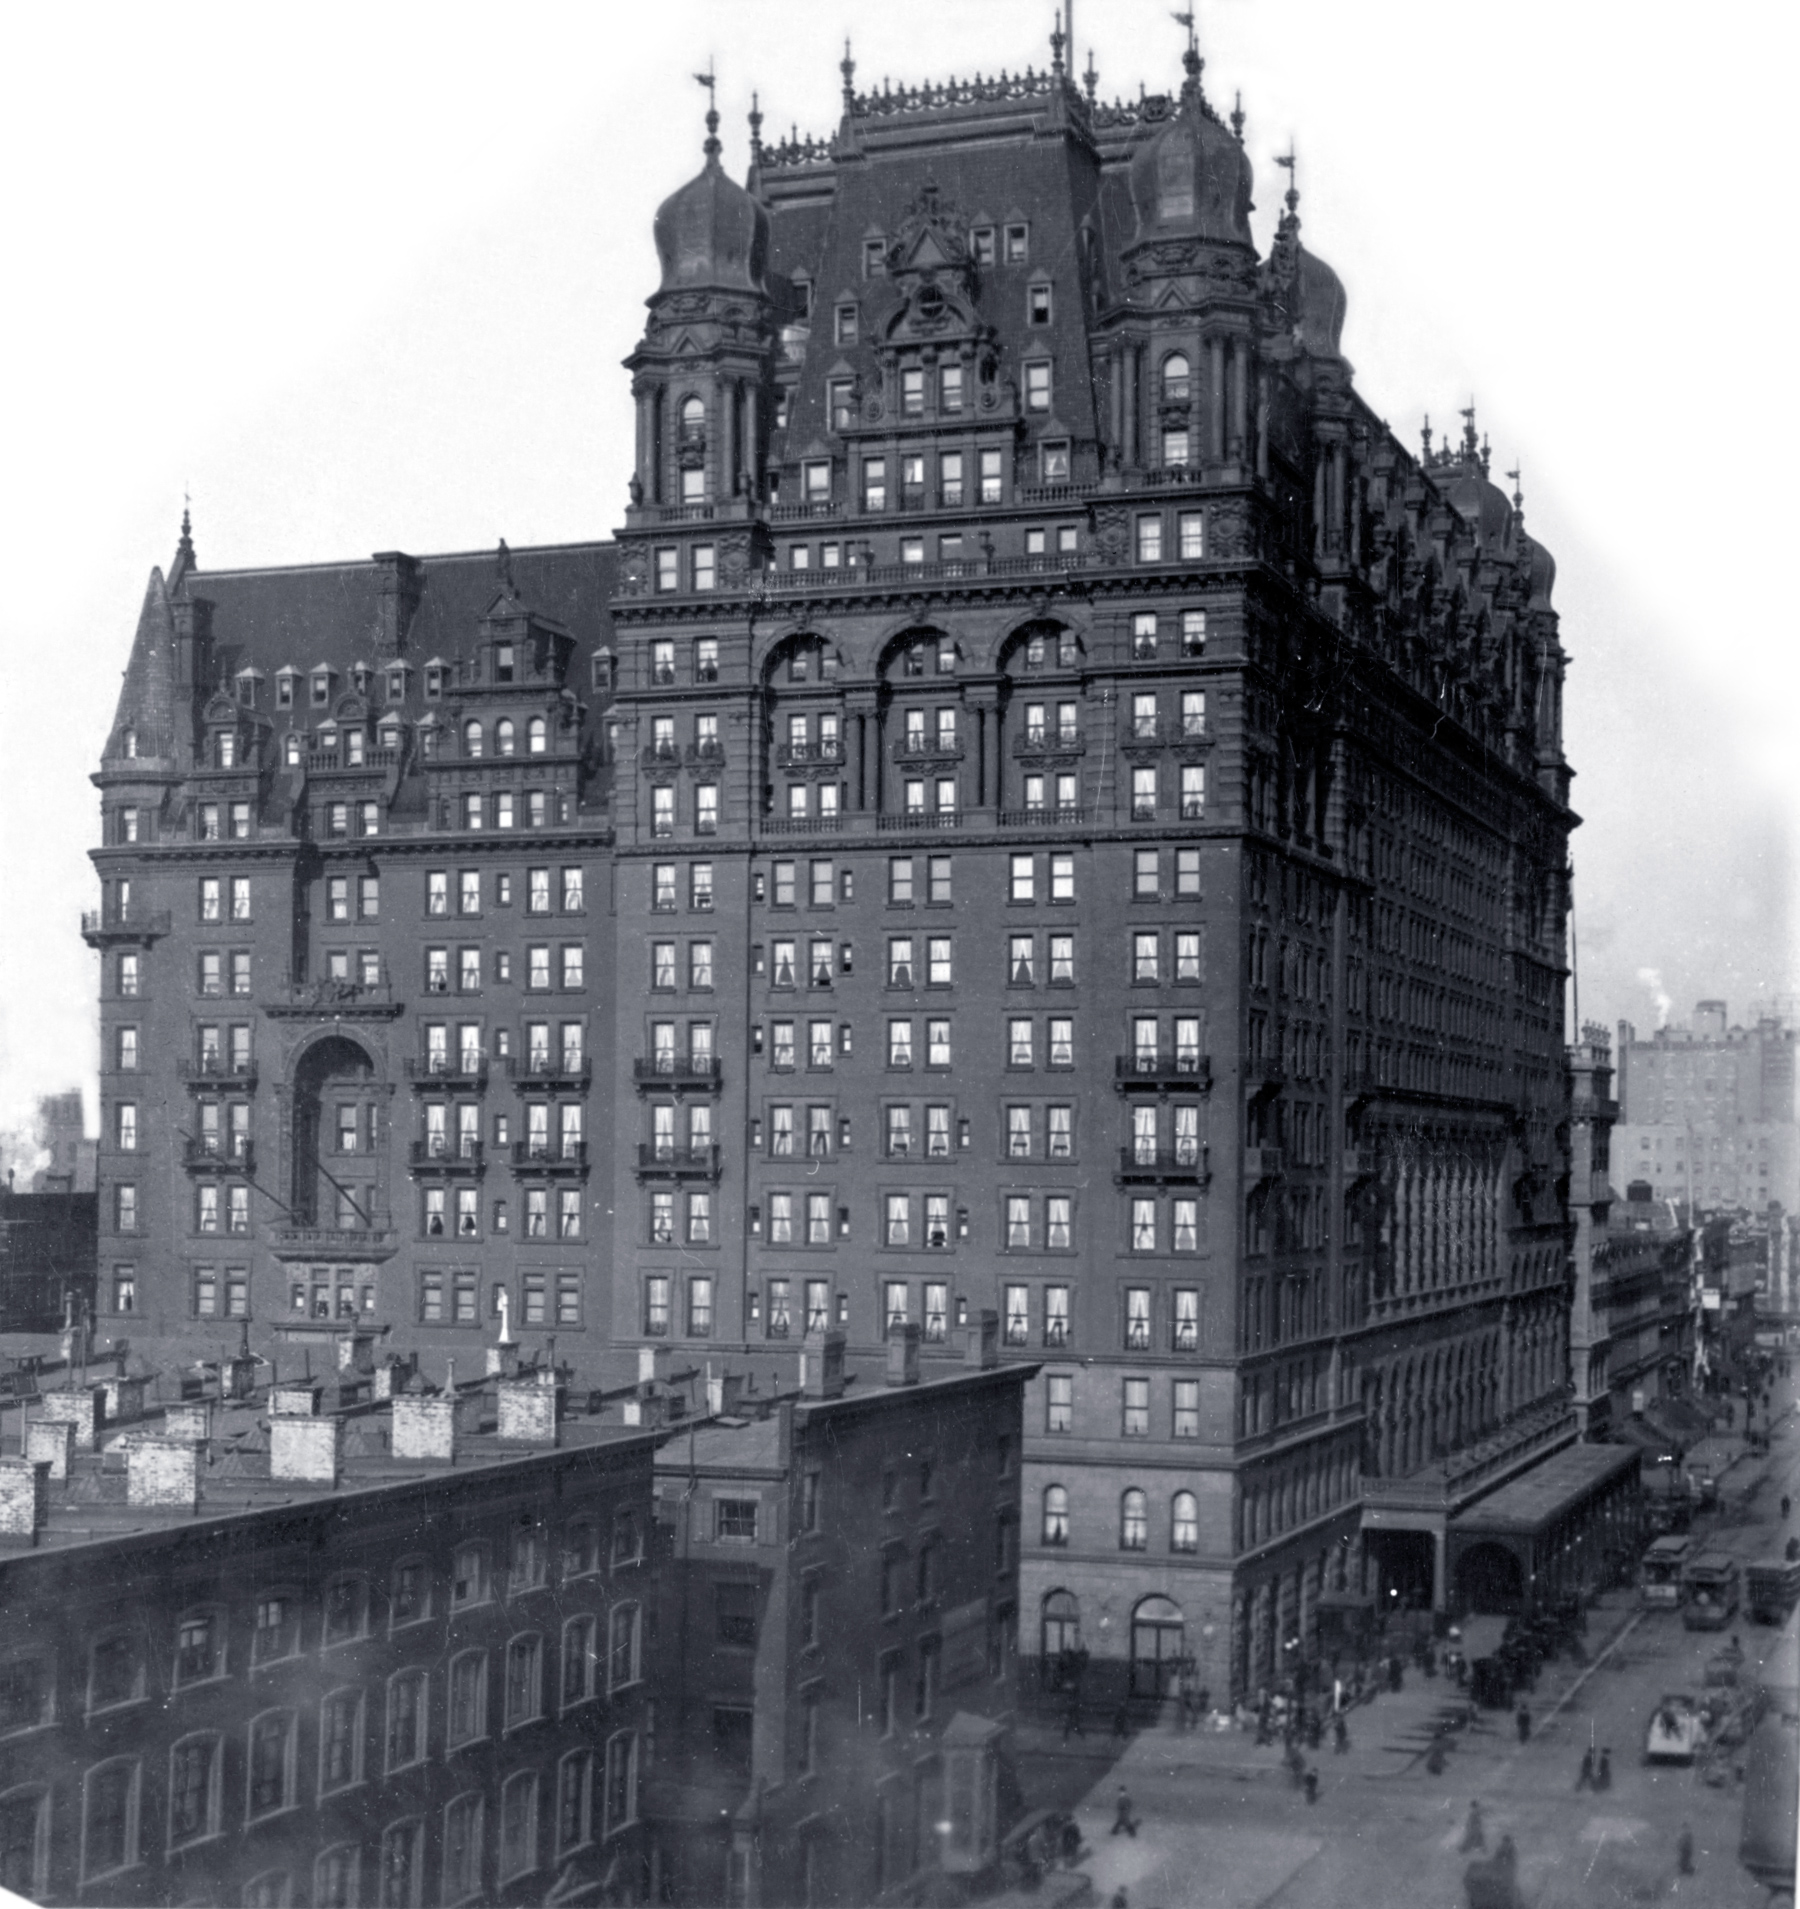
{"points": [[1018, 1221], [1186, 1422], [700, 1299], [1193, 792], [1191, 532], [1056, 1315], [900, 1043], [1145, 956], [668, 569], [845, 328], [1058, 1223], [1149, 538], [1136, 1409], [705, 566], [1187, 955], [898, 1226], [993, 487], [1059, 1402], [874, 475], [950, 401], [1019, 1043], [1137, 1298], [1062, 878], [1037, 386], [1016, 1319], [1017, 244]]}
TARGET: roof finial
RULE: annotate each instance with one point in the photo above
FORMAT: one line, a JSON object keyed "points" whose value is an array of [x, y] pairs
{"points": [[847, 66], [710, 82], [1190, 58], [1518, 496], [1058, 40], [1237, 116], [503, 565], [1470, 445], [755, 129], [1425, 437], [1091, 78], [1290, 164]]}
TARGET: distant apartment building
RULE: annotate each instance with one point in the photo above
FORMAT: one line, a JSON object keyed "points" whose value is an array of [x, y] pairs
{"points": [[1706, 1112]]}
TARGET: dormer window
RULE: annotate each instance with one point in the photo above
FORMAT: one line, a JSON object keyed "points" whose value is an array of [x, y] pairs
{"points": [[1056, 461], [353, 748], [290, 749], [981, 245], [361, 676], [1018, 244], [803, 290], [503, 663], [284, 688], [428, 736], [434, 682], [1037, 386], [844, 331], [1037, 305], [249, 687], [321, 688], [225, 749], [328, 738], [874, 257], [389, 735]]}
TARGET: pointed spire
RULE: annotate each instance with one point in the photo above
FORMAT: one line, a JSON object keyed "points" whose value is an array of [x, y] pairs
{"points": [[756, 118], [1290, 164], [1518, 496], [1091, 78], [1058, 40], [1425, 437], [847, 66], [1471, 448]]}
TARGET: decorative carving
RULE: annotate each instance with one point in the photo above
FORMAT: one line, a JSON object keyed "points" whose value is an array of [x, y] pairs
{"points": [[1112, 533]]}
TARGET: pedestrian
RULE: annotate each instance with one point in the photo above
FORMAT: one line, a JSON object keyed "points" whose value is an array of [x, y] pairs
{"points": [[1585, 1780], [1203, 1704], [1787, 1505], [1072, 1718], [1603, 1775], [1121, 1723], [1474, 1834], [1071, 1842], [1312, 1786], [1122, 1816], [1396, 1674], [1119, 1900], [1434, 1757], [1684, 1851], [1506, 1853], [1524, 1722], [1340, 1734]]}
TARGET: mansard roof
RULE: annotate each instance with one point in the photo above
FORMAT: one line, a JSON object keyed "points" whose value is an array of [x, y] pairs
{"points": [[333, 614]]}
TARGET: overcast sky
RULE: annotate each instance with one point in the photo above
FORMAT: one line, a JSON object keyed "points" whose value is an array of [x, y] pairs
{"points": [[360, 277]]}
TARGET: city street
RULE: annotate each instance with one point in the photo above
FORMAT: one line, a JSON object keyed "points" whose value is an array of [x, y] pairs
{"points": [[1219, 1822]]}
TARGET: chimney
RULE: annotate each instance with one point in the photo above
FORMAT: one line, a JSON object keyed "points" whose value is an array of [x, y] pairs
{"points": [[191, 1422], [124, 1399], [84, 1408], [903, 1355], [393, 1375], [402, 585], [425, 1428], [294, 1398], [306, 1451], [982, 1347], [653, 1365], [822, 1365], [51, 1441], [24, 1499], [163, 1473], [527, 1411]]}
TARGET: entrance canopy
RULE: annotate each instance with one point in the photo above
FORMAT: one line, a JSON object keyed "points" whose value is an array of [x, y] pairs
{"points": [[1531, 1503]]}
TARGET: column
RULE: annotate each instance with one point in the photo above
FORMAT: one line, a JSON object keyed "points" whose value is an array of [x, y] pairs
{"points": [[857, 798], [1240, 398], [984, 748], [1120, 357], [728, 438], [752, 457], [1133, 406], [642, 465], [1439, 1589], [1215, 399]]}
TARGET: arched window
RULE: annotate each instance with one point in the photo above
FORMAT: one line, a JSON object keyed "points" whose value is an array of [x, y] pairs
{"points": [[519, 1825], [337, 1877], [471, 738], [466, 1710], [403, 1862], [1060, 1641], [503, 736], [346, 1608], [1176, 380], [109, 1826], [25, 1842], [537, 736], [290, 749], [693, 417], [1184, 1523], [1134, 1521], [193, 1789], [199, 1646], [1056, 1515], [406, 1699]]}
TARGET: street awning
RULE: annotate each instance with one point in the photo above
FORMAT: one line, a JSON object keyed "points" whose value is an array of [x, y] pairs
{"points": [[1528, 1504]]}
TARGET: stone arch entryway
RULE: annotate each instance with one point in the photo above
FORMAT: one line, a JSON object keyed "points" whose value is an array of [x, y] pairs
{"points": [[1158, 1645]]}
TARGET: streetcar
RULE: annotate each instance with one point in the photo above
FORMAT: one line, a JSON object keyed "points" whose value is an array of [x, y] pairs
{"points": [[1709, 1585], [1659, 1575]]}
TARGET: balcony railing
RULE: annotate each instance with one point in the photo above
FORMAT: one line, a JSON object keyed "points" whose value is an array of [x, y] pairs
{"points": [[1162, 1163], [791, 755], [657, 752], [535, 1069], [921, 748], [675, 1067], [123, 924], [1157, 734], [1180, 1067], [801, 824], [1046, 741], [447, 1153], [220, 1071], [920, 819], [372, 998], [554, 1155], [1063, 813], [448, 1070], [336, 1242], [659, 1161], [218, 1153]]}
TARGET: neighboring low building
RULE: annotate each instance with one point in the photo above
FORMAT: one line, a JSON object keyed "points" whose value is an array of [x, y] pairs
{"points": [[255, 1654], [839, 1625]]}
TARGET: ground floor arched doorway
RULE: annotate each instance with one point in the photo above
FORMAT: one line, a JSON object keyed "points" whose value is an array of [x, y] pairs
{"points": [[1062, 1660], [1489, 1578], [1158, 1645]]}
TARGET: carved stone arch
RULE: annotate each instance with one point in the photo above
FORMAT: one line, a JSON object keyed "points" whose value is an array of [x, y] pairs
{"points": [[912, 632], [1038, 622], [802, 635], [351, 707], [222, 707]]}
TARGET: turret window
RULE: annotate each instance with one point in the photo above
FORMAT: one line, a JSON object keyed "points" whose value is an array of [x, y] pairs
{"points": [[1175, 378]]}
